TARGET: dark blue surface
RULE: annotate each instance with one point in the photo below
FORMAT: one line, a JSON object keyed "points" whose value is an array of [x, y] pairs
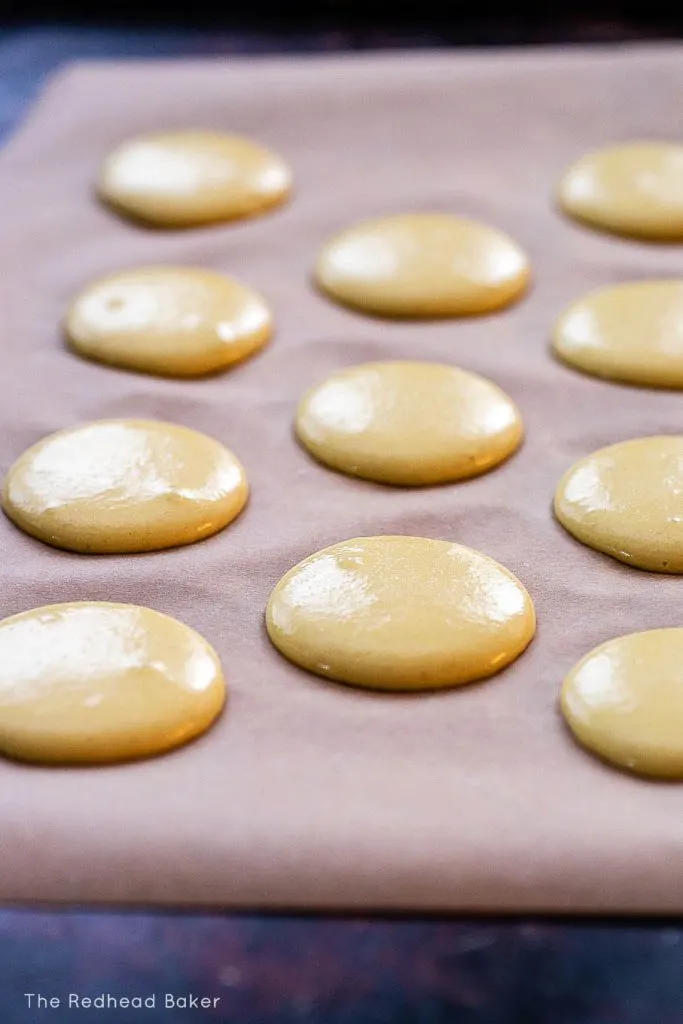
{"points": [[313, 970], [343, 971]]}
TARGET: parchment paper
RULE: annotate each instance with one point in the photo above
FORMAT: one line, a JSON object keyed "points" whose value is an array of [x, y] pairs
{"points": [[308, 794]]}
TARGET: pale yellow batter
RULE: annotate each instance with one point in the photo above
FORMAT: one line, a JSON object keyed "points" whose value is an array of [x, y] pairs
{"points": [[400, 613], [118, 486], [624, 702], [409, 423], [423, 265], [170, 321], [633, 189], [632, 333], [90, 683], [186, 179], [627, 500]]}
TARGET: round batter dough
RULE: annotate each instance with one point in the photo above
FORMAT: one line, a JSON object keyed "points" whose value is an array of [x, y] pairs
{"points": [[423, 265], [627, 500], [186, 179], [119, 486], [631, 333], [91, 682], [400, 613], [624, 702], [171, 321], [634, 189], [409, 423]]}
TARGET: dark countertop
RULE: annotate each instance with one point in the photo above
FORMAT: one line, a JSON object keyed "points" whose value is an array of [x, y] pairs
{"points": [[327, 970], [321, 970]]}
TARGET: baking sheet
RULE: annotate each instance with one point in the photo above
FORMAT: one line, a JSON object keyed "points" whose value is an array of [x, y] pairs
{"points": [[308, 794]]}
